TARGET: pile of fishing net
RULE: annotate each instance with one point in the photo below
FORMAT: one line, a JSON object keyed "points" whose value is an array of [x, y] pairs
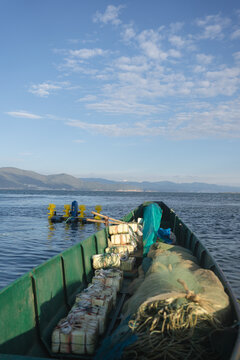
{"points": [[175, 307]]}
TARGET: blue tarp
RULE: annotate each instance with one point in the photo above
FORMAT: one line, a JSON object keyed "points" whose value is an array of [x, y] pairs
{"points": [[164, 234]]}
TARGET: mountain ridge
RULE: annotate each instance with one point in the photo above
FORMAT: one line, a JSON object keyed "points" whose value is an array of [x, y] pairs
{"points": [[19, 179]]}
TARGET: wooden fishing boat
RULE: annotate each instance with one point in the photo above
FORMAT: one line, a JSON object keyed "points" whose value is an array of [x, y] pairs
{"points": [[32, 305]]}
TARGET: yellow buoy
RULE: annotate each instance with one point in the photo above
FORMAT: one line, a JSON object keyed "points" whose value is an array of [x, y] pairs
{"points": [[67, 209], [51, 208], [98, 209], [82, 209]]}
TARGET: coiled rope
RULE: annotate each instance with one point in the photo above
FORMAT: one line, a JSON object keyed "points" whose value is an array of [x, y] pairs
{"points": [[177, 330]]}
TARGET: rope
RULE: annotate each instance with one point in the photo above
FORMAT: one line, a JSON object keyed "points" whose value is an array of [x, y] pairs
{"points": [[191, 296], [177, 330]]}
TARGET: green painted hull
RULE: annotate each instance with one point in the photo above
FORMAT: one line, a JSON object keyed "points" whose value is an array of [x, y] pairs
{"points": [[31, 306]]}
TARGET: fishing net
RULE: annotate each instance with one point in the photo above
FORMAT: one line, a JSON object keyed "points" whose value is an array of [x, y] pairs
{"points": [[160, 247], [160, 260], [174, 307], [162, 278]]}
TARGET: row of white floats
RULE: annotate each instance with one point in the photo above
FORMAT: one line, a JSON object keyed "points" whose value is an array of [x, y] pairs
{"points": [[78, 333], [124, 239]]}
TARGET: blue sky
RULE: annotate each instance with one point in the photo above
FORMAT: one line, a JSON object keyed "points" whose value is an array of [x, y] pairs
{"points": [[126, 90]]}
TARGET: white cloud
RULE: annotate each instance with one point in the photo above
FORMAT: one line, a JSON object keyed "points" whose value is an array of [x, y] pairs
{"points": [[87, 98], [76, 65], [124, 105], [133, 64], [153, 51], [150, 43], [78, 60], [225, 81], [166, 71], [111, 15], [132, 85], [87, 53], [139, 82], [236, 34], [218, 121], [153, 45], [212, 31], [204, 59], [212, 26], [128, 33], [202, 121], [199, 68], [23, 114], [44, 89], [176, 27], [174, 53], [118, 130], [177, 41], [236, 56]]}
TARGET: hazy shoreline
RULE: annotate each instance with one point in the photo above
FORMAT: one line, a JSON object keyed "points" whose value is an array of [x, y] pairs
{"points": [[24, 180]]}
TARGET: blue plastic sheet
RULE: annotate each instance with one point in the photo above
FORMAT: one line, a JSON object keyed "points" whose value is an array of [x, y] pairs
{"points": [[152, 215], [164, 234]]}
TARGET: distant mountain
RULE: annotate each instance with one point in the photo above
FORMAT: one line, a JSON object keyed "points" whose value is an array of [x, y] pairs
{"points": [[17, 179]]}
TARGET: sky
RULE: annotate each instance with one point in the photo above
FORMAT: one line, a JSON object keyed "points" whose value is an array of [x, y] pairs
{"points": [[123, 90]]}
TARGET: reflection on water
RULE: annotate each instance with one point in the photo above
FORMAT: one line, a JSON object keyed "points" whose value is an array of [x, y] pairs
{"points": [[68, 231], [28, 238], [51, 228]]}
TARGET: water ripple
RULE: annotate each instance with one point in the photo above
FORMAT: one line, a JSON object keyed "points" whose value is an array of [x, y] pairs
{"points": [[27, 239]]}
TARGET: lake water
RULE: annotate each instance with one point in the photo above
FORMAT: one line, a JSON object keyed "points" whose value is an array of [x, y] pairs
{"points": [[28, 239]]}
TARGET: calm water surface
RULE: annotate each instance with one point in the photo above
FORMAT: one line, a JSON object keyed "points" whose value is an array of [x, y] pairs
{"points": [[27, 239]]}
